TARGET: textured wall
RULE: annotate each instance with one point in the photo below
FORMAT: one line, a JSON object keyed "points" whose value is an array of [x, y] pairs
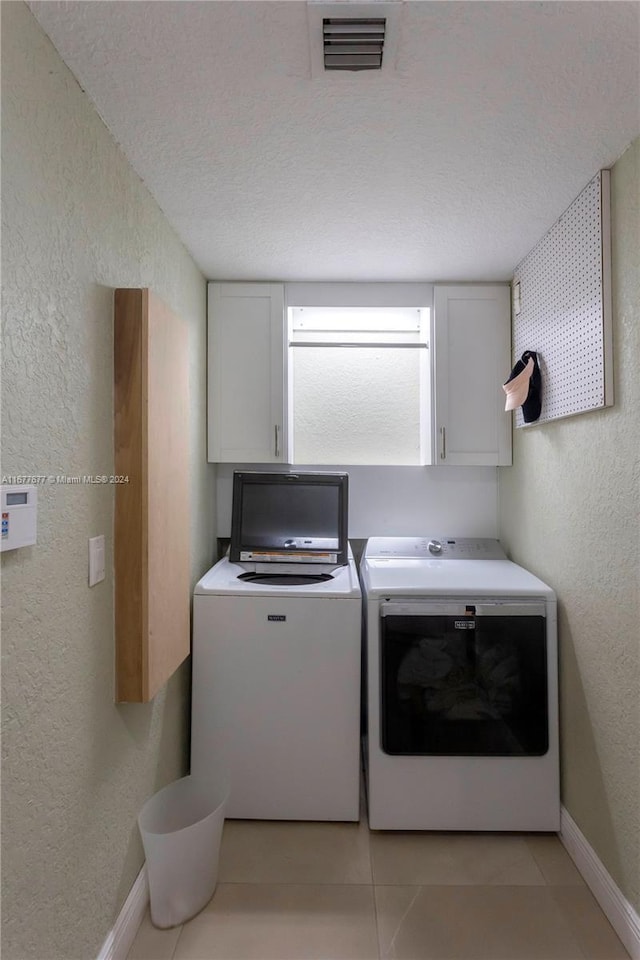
{"points": [[77, 222], [569, 510], [356, 405]]}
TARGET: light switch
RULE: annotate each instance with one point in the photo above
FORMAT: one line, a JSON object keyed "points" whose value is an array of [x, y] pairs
{"points": [[96, 560]]}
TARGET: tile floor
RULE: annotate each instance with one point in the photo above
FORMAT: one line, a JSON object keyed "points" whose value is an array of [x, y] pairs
{"points": [[323, 891]]}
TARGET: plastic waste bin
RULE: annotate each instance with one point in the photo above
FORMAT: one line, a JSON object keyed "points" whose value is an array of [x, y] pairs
{"points": [[181, 829]]}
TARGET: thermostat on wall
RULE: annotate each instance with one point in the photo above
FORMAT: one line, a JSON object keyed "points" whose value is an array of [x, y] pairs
{"points": [[19, 505]]}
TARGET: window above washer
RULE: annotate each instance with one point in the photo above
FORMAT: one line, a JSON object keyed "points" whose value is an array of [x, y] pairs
{"points": [[359, 385]]}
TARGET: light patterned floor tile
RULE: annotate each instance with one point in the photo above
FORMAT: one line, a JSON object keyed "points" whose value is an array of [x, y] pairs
{"points": [[283, 922], [555, 863], [451, 858], [472, 923], [260, 851], [153, 944], [302, 891], [591, 928]]}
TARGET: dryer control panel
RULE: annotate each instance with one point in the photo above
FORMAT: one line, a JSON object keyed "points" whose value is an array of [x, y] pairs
{"points": [[429, 548]]}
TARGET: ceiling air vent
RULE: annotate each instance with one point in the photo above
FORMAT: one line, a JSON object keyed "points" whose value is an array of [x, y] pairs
{"points": [[353, 43]]}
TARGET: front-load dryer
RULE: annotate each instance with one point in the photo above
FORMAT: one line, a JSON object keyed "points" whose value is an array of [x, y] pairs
{"points": [[276, 692], [462, 688]]}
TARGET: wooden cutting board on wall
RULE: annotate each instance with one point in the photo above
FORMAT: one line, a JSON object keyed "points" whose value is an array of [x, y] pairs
{"points": [[152, 577]]}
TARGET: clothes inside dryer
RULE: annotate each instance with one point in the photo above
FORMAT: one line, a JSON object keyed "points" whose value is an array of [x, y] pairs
{"points": [[464, 684]]}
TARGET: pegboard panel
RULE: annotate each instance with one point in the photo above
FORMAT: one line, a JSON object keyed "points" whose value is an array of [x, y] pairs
{"points": [[565, 307]]}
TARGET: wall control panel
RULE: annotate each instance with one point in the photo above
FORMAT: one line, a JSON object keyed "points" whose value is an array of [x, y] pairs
{"points": [[19, 516]]}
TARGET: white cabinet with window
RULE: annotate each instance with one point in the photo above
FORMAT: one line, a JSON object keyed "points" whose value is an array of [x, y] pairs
{"points": [[379, 380], [246, 422], [472, 358]]}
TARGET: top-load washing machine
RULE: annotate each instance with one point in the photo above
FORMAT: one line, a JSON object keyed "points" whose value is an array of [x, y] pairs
{"points": [[277, 654], [462, 688]]}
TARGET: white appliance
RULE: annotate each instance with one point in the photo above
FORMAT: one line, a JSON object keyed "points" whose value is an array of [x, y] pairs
{"points": [[462, 688], [276, 693]]}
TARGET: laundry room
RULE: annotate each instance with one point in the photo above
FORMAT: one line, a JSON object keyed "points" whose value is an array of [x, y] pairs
{"points": [[320, 480]]}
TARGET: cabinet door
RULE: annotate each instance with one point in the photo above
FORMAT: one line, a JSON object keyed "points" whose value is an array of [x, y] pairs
{"points": [[472, 356], [246, 418], [151, 523]]}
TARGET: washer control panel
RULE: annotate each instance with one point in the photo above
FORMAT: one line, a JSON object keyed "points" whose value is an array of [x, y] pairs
{"points": [[428, 548]]}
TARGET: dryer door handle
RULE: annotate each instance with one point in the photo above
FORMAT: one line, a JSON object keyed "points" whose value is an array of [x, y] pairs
{"points": [[458, 608]]}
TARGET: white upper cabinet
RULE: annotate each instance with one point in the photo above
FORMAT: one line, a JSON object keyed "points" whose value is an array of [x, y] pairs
{"points": [[246, 421], [461, 410], [472, 358]]}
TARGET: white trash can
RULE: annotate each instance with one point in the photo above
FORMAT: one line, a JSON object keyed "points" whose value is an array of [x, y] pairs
{"points": [[181, 829]]}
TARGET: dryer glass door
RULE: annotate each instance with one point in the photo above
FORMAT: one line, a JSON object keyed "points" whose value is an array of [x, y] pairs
{"points": [[464, 678]]}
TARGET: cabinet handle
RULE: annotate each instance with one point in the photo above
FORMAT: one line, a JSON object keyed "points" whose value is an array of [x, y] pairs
{"points": [[276, 448], [443, 446]]}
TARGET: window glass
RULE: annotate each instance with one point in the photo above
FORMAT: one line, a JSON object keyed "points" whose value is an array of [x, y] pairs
{"points": [[358, 386]]}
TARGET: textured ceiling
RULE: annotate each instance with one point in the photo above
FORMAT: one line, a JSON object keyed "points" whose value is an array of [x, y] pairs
{"points": [[451, 165]]}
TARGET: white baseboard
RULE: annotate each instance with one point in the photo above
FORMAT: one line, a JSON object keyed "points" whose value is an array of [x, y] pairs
{"points": [[120, 938], [619, 912]]}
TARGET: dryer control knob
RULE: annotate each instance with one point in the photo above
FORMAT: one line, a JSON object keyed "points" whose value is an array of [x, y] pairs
{"points": [[434, 546]]}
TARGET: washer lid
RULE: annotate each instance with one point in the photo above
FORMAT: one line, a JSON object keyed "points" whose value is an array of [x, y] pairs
{"points": [[222, 580]]}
